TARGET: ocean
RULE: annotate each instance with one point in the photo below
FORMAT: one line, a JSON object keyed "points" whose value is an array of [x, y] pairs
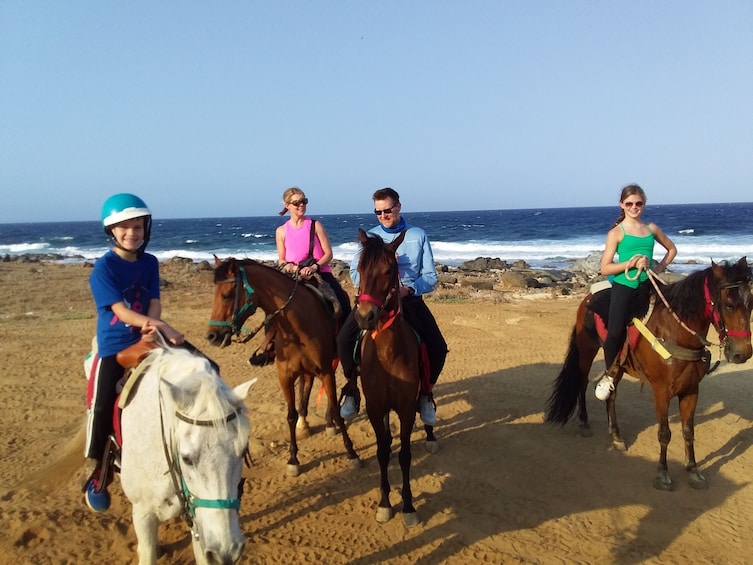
{"points": [[548, 238]]}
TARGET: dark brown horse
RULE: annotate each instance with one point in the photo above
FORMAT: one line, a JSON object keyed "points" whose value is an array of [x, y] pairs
{"points": [[390, 365], [719, 296], [304, 338]]}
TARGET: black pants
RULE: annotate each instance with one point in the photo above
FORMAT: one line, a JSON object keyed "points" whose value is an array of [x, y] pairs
{"points": [[103, 395], [419, 317], [621, 308]]}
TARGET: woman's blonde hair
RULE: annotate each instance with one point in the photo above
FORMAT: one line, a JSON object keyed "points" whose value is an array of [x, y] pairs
{"points": [[288, 195]]}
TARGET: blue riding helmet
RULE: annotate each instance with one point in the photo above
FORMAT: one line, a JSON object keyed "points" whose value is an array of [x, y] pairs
{"points": [[124, 206]]}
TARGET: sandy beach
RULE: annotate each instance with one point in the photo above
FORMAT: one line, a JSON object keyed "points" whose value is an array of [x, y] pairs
{"points": [[504, 487]]}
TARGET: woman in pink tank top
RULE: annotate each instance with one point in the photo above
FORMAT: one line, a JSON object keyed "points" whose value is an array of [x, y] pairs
{"points": [[294, 241]]}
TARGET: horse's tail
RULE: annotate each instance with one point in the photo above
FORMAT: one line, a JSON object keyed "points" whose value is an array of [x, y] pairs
{"points": [[567, 387]]}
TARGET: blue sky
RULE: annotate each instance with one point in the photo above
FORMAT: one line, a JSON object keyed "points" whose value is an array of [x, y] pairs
{"points": [[209, 109]]}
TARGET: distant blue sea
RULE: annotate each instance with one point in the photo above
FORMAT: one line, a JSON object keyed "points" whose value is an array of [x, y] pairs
{"points": [[543, 237]]}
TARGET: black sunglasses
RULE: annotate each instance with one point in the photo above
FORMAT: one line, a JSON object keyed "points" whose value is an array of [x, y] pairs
{"points": [[386, 210], [301, 202]]}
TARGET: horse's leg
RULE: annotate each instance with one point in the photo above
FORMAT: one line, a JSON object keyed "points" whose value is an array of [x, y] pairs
{"points": [[688, 404], [382, 434], [328, 381], [614, 430], [587, 349], [287, 384], [407, 419], [145, 525], [305, 384], [661, 403], [432, 445]]}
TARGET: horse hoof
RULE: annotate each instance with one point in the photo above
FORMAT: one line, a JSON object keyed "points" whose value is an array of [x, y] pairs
{"points": [[585, 431], [383, 515], [410, 519], [354, 463], [663, 482], [619, 445], [292, 470], [698, 481], [331, 431], [432, 446]]}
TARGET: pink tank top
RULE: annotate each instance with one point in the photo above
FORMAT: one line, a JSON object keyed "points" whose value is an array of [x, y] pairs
{"points": [[297, 244]]}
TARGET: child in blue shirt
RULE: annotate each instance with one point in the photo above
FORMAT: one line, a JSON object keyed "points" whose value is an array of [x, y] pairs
{"points": [[126, 292]]}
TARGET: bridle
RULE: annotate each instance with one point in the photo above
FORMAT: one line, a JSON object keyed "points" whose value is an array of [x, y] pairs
{"points": [[189, 503], [244, 306], [711, 311], [383, 313]]}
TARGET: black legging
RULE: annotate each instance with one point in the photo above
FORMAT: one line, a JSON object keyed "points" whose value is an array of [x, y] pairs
{"points": [[419, 317], [620, 311]]}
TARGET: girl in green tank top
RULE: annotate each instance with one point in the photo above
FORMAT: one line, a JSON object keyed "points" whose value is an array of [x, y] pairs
{"points": [[631, 241]]}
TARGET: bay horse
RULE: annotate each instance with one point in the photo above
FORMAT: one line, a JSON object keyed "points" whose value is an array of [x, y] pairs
{"points": [[304, 338], [719, 296], [184, 439], [389, 364]]}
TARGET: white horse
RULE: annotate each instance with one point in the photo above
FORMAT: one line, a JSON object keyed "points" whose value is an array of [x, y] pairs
{"points": [[185, 436]]}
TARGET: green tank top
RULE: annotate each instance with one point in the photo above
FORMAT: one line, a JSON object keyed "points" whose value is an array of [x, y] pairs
{"points": [[629, 246]]}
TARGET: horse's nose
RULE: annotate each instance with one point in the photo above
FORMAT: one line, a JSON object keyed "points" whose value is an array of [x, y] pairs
{"points": [[225, 556], [737, 356], [216, 337]]}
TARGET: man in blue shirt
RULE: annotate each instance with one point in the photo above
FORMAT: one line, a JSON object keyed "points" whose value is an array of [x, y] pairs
{"points": [[418, 276]]}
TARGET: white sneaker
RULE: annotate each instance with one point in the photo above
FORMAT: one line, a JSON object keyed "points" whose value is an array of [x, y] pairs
{"points": [[604, 388]]}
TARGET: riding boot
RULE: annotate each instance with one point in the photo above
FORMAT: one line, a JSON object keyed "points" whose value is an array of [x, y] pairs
{"points": [[265, 355]]}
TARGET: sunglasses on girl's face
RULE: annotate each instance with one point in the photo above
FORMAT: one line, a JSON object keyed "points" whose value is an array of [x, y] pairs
{"points": [[638, 204], [301, 202]]}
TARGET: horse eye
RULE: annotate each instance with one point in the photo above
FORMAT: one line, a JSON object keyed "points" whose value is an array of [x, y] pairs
{"points": [[227, 296], [187, 460]]}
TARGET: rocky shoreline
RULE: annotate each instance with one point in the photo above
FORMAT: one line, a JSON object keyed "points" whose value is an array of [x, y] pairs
{"points": [[481, 278]]}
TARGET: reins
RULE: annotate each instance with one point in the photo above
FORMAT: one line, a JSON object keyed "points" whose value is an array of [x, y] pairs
{"points": [[711, 311]]}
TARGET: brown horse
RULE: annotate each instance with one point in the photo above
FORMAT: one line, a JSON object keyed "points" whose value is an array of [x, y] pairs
{"points": [[390, 365], [719, 296], [304, 336]]}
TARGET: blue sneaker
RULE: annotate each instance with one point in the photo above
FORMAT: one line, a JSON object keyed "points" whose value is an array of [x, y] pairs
{"points": [[426, 410], [349, 408], [97, 501]]}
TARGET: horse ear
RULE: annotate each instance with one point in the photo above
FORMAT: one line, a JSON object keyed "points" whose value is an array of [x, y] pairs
{"points": [[241, 391], [395, 243], [362, 237], [217, 261]]}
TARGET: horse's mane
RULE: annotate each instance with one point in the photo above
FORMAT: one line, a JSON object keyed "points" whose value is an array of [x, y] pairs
{"points": [[372, 250], [221, 270], [686, 297], [210, 398]]}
